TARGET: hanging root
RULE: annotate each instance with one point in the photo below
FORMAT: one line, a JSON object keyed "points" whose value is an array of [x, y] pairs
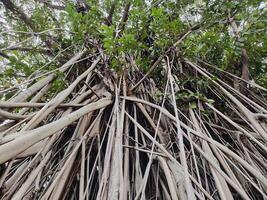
{"points": [[100, 139]]}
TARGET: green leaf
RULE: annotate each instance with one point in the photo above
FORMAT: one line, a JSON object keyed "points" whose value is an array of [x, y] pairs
{"points": [[193, 105]]}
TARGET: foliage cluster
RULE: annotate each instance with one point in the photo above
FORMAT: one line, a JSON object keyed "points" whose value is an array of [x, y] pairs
{"points": [[150, 29]]}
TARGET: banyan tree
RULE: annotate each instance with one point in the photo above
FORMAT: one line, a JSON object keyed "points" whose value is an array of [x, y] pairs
{"points": [[133, 99]]}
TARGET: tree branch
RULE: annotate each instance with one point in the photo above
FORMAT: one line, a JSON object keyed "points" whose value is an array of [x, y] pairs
{"points": [[19, 13], [124, 17], [108, 21], [44, 51], [52, 6]]}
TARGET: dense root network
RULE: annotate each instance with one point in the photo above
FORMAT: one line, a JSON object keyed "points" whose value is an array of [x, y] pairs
{"points": [[107, 137]]}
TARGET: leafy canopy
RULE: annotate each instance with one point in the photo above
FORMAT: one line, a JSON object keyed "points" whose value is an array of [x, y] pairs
{"points": [[150, 28]]}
